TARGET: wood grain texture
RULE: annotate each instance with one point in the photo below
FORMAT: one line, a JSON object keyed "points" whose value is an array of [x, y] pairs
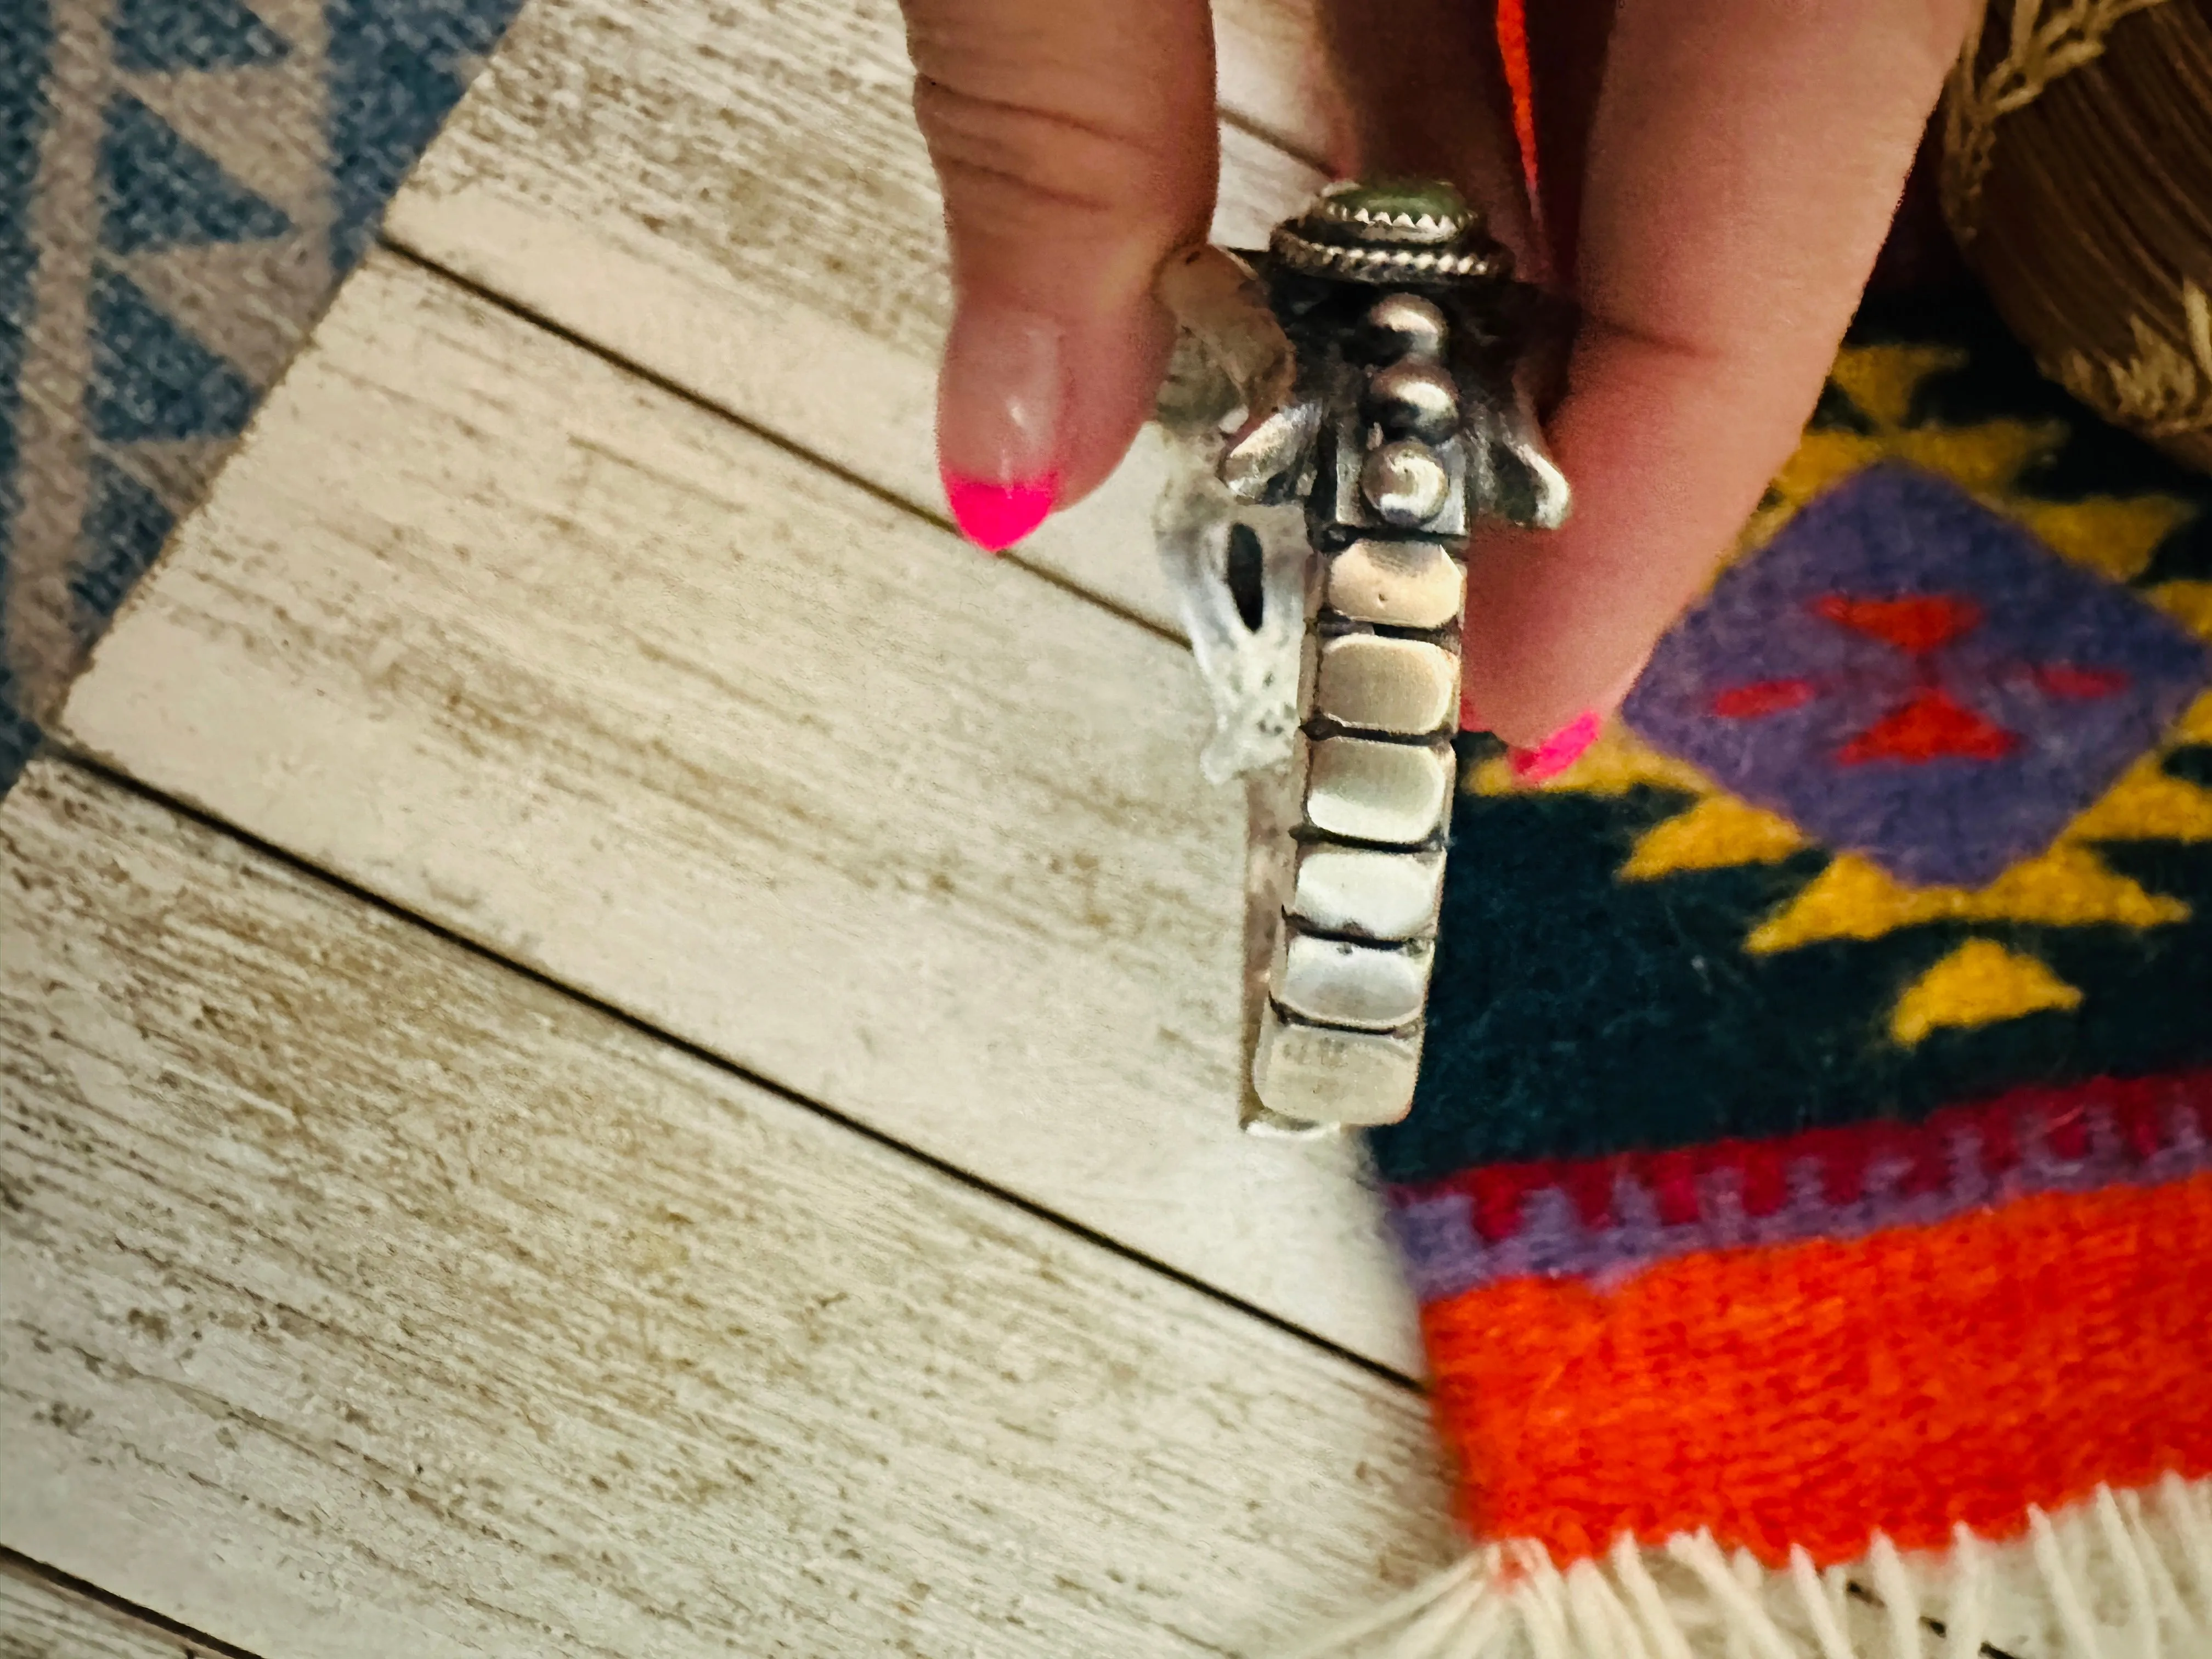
{"points": [[736, 199], [1272, 74], [360, 1296], [42, 1619], [589, 674]]}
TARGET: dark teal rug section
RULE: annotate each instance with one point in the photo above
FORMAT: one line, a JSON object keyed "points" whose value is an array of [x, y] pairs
{"points": [[183, 183]]}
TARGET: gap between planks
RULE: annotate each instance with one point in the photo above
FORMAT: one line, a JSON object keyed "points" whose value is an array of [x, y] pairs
{"points": [[93, 768], [363, 1296], [588, 674], [48, 1615], [770, 435], [738, 203]]}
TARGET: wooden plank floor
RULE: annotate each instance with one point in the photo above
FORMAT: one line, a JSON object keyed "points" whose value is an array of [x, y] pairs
{"points": [[367, 1297], [589, 674], [617, 1045], [43, 1615], [691, 194]]}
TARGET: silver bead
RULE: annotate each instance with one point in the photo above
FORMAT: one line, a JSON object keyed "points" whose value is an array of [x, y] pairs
{"points": [[1393, 793], [1400, 584], [1415, 397], [1405, 326], [1372, 682], [1367, 891], [1405, 483], [1369, 988], [1321, 1074]]}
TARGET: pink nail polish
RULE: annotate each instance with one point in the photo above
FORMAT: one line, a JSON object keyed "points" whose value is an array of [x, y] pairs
{"points": [[998, 422], [995, 516], [1556, 753]]}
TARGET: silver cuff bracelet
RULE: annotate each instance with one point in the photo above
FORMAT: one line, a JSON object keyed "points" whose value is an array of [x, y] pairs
{"points": [[1341, 408]]}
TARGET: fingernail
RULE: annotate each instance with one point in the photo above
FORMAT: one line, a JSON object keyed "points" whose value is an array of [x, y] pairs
{"points": [[998, 418], [995, 516], [1556, 753]]}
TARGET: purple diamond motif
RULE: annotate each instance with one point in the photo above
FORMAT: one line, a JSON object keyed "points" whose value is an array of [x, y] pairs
{"points": [[1906, 674]]}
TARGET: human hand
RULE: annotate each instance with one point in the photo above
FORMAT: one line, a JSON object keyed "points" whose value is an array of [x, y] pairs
{"points": [[1717, 177]]}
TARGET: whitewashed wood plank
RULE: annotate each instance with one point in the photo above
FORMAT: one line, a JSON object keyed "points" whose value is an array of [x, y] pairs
{"points": [[360, 1297], [42, 1619], [736, 199], [589, 674], [1271, 75]]}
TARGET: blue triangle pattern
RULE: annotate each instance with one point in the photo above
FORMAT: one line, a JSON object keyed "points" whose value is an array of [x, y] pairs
{"points": [[392, 70], [150, 379], [150, 36], [396, 67], [160, 192], [25, 43], [123, 533], [19, 736]]}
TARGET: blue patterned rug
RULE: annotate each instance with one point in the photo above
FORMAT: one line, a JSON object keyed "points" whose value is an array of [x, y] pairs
{"points": [[183, 183]]}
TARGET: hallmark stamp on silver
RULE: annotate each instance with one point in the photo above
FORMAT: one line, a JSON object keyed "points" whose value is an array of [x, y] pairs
{"points": [[1341, 410]]}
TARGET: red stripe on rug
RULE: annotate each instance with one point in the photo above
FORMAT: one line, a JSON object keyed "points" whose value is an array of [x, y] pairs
{"points": [[1815, 1394]]}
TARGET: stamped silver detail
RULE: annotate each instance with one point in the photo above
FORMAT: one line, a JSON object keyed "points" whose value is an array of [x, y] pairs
{"points": [[1327, 1074], [1361, 210], [1268, 457], [1386, 265]]}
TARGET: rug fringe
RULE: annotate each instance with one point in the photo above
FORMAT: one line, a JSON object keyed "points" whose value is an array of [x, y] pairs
{"points": [[2118, 1575]]}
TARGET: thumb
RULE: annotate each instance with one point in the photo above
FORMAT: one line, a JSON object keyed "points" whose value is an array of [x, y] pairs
{"points": [[1077, 148]]}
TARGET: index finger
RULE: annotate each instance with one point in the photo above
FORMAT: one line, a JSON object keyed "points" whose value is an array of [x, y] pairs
{"points": [[1745, 159]]}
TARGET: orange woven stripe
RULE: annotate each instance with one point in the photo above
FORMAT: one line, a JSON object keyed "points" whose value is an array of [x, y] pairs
{"points": [[1513, 48], [1813, 1393]]}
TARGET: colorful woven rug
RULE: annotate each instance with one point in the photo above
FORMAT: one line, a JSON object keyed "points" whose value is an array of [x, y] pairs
{"points": [[1809, 1188], [182, 183]]}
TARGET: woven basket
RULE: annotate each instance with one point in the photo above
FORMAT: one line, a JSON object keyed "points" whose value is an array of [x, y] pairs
{"points": [[2077, 180]]}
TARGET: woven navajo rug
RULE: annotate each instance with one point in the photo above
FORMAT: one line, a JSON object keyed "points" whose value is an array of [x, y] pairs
{"points": [[182, 183], [1809, 1188]]}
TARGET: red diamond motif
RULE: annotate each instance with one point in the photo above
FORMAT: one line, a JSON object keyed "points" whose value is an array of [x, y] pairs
{"points": [[1931, 723], [1909, 676]]}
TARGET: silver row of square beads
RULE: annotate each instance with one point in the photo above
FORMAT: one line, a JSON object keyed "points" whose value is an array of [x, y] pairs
{"points": [[1339, 1040]]}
